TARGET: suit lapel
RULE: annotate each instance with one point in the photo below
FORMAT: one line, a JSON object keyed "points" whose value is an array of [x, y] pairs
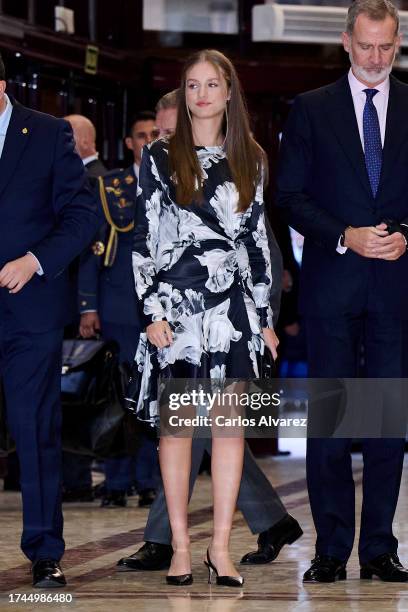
{"points": [[18, 134], [396, 126], [342, 116]]}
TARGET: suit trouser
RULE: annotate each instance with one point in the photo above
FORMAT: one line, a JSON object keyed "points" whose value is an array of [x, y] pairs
{"points": [[30, 365], [257, 499], [333, 350]]}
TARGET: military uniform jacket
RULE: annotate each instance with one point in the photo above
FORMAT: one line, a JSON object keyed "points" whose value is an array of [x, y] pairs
{"points": [[105, 282]]}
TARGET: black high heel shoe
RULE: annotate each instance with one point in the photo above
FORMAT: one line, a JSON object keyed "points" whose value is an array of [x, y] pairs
{"points": [[180, 580], [232, 581], [183, 580]]}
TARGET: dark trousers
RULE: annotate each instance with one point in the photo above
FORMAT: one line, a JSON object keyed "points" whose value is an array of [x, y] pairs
{"points": [[333, 351], [143, 468], [30, 365]]}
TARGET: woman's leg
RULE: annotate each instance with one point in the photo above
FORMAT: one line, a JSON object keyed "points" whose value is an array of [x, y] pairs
{"points": [[226, 470], [175, 465]]}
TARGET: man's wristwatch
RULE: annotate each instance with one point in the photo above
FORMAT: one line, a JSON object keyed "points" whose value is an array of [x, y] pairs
{"points": [[343, 236]]}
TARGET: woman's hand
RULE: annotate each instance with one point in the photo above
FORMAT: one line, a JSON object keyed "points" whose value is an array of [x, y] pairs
{"points": [[271, 340], [159, 333]]}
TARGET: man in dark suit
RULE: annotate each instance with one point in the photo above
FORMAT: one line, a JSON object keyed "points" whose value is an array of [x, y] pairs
{"points": [[343, 182], [48, 216]]}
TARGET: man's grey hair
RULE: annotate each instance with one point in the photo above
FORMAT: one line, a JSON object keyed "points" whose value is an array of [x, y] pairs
{"points": [[377, 10], [169, 100]]}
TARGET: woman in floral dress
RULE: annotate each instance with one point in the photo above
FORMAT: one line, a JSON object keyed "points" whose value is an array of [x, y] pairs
{"points": [[202, 271]]}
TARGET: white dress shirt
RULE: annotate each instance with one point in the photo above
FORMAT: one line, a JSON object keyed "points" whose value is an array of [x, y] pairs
{"points": [[136, 169], [4, 121], [380, 101], [90, 158]]}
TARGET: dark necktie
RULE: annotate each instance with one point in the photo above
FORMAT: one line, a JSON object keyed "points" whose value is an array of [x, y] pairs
{"points": [[372, 140]]}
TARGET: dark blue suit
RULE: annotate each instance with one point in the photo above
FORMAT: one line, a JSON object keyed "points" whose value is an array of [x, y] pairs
{"points": [[323, 187], [45, 208]]}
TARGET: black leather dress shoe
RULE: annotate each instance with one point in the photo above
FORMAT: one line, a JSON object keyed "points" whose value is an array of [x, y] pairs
{"points": [[47, 574], [150, 556], [387, 567], [146, 498], [270, 542], [325, 569], [114, 498]]}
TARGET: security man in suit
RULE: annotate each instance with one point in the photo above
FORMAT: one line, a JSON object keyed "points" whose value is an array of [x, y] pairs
{"points": [[85, 144], [108, 304], [48, 216]]}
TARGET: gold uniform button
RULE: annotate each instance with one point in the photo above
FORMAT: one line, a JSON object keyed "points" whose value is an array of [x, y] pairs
{"points": [[98, 248]]}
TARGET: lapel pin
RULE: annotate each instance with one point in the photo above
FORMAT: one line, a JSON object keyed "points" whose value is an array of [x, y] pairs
{"points": [[24, 131]]}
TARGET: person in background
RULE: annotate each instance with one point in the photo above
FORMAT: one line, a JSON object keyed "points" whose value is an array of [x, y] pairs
{"points": [[85, 143], [77, 469], [142, 130], [166, 113], [108, 305]]}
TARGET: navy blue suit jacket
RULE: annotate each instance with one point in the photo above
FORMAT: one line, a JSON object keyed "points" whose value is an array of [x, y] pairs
{"points": [[47, 208], [323, 187], [110, 290]]}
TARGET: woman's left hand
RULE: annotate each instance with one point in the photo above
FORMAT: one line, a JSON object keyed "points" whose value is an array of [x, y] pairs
{"points": [[271, 340]]}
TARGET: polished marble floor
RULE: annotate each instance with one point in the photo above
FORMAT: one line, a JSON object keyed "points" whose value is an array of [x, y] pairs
{"points": [[96, 538]]}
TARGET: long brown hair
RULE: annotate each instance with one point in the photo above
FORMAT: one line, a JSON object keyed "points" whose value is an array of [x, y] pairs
{"points": [[246, 158]]}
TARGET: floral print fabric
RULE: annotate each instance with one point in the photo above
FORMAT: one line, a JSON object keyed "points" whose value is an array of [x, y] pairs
{"points": [[205, 269]]}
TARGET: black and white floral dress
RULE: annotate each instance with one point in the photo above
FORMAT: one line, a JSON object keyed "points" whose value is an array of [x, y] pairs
{"points": [[205, 269]]}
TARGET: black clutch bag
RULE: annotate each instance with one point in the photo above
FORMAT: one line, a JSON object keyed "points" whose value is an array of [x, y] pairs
{"points": [[266, 365]]}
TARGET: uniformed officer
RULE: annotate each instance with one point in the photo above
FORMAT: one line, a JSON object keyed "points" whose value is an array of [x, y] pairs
{"points": [[108, 304], [77, 469]]}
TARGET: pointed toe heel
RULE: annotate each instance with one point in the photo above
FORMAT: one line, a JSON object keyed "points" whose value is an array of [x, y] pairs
{"points": [[183, 580], [231, 581]]}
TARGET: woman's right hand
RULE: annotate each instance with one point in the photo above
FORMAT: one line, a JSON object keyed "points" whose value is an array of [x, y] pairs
{"points": [[159, 333]]}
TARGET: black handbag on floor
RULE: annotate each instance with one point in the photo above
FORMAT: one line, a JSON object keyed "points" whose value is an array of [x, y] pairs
{"points": [[94, 421]]}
